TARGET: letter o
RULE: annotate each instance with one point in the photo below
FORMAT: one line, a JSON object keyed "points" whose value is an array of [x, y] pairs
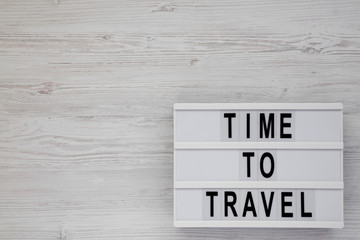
{"points": [[272, 165]]}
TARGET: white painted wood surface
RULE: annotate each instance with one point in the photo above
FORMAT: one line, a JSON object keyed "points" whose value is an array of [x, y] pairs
{"points": [[86, 96]]}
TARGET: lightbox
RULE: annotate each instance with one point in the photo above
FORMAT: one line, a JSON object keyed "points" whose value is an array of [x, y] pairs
{"points": [[258, 165]]}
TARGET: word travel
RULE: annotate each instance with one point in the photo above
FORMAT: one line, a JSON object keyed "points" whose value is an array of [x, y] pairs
{"points": [[284, 204]]}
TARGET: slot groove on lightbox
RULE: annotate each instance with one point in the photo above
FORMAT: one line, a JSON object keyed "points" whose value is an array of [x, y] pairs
{"points": [[258, 145], [258, 184]]}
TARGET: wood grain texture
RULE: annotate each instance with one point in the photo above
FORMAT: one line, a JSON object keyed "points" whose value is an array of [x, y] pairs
{"points": [[86, 95]]}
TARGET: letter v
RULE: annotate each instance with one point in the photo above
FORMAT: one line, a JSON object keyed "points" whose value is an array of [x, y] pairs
{"points": [[267, 208]]}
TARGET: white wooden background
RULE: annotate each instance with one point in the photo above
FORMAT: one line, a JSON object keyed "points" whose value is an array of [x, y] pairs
{"points": [[86, 96]]}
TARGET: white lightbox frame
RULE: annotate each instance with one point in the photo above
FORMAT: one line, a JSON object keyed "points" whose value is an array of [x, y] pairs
{"points": [[339, 185]]}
